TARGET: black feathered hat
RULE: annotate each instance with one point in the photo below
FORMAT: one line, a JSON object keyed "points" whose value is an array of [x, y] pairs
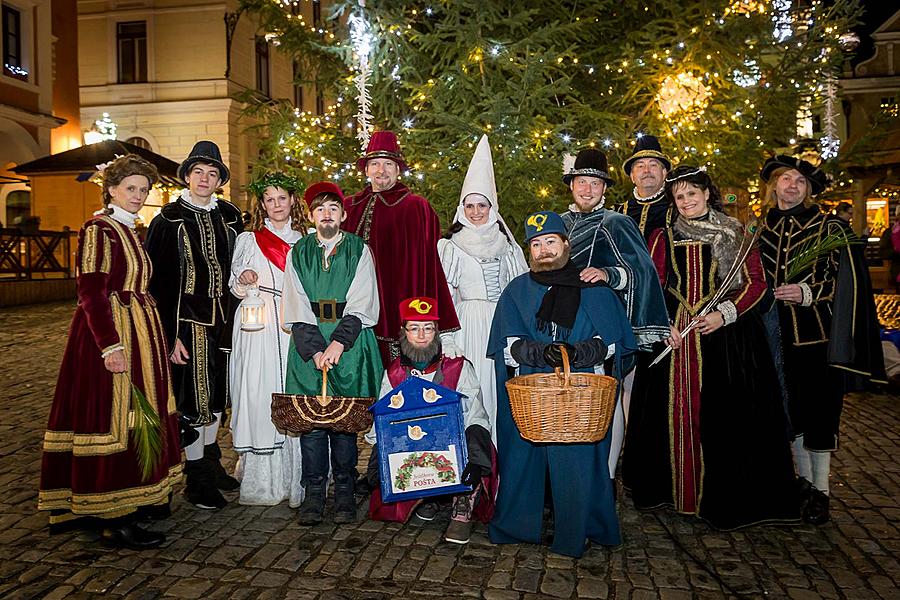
{"points": [[208, 153], [590, 162], [647, 146], [817, 178]]}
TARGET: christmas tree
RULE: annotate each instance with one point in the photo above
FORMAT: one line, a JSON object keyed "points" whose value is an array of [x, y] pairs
{"points": [[720, 83]]}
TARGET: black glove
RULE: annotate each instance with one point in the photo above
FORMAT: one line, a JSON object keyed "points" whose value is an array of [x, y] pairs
{"points": [[589, 353], [472, 474], [526, 352], [553, 353]]}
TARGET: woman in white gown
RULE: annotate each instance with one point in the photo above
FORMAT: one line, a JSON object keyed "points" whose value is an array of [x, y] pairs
{"points": [[480, 258], [269, 467]]}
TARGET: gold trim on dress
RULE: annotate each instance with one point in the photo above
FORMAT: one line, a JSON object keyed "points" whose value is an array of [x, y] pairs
{"points": [[116, 440], [114, 503]]}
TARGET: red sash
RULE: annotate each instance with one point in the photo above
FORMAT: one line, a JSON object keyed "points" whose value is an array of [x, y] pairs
{"points": [[273, 247]]}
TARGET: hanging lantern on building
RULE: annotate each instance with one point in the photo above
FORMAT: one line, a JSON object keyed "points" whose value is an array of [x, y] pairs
{"points": [[253, 316]]}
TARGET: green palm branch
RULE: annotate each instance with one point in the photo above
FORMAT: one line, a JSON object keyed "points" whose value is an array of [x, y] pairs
{"points": [[147, 435], [815, 247]]}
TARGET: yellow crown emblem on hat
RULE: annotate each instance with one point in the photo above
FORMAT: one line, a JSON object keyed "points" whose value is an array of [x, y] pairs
{"points": [[537, 221], [420, 306]]}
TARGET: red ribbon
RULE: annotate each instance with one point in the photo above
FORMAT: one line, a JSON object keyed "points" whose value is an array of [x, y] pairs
{"points": [[273, 247]]}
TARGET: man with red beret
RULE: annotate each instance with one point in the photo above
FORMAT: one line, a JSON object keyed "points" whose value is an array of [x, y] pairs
{"points": [[421, 355], [402, 230], [330, 305]]}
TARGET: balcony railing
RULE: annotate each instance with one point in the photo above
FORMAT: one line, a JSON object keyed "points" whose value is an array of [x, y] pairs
{"points": [[35, 255]]}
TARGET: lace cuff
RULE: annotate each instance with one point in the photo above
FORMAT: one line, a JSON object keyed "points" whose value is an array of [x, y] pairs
{"points": [[114, 348], [807, 294], [728, 310]]}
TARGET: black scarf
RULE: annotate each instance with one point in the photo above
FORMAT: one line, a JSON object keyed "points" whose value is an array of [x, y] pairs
{"points": [[561, 302]]}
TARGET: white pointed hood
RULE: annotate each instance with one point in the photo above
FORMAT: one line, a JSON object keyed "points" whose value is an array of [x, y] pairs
{"points": [[486, 240], [480, 176]]}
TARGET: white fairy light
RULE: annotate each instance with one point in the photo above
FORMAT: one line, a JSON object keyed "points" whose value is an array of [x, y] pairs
{"points": [[362, 40], [830, 142]]}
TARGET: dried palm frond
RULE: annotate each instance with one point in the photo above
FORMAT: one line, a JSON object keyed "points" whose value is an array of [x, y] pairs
{"points": [[146, 434], [751, 234], [810, 250]]}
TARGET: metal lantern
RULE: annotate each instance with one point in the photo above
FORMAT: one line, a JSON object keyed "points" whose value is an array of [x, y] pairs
{"points": [[253, 316]]}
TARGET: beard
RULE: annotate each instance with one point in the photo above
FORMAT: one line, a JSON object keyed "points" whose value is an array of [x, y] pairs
{"points": [[420, 355], [327, 230], [557, 263]]}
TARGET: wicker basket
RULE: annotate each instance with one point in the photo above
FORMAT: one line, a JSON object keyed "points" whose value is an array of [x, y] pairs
{"points": [[297, 413], [562, 407]]}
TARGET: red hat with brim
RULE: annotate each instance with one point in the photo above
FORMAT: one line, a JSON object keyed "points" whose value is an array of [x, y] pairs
{"points": [[419, 308], [382, 144], [321, 187]]}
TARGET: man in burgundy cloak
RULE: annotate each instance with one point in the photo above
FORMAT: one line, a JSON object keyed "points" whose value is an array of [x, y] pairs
{"points": [[402, 231]]}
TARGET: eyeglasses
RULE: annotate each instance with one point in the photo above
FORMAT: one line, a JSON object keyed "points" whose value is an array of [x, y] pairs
{"points": [[421, 328]]}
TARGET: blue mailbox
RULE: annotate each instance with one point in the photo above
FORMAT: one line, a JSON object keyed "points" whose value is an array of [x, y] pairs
{"points": [[421, 441]]}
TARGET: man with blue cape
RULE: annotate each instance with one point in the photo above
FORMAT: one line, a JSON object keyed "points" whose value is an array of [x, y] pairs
{"points": [[539, 313]]}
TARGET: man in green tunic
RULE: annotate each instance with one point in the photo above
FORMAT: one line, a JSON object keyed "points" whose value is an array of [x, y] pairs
{"points": [[330, 304]]}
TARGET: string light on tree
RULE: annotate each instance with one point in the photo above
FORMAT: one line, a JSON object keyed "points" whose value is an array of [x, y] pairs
{"points": [[781, 18], [362, 39], [830, 142], [682, 93], [746, 7]]}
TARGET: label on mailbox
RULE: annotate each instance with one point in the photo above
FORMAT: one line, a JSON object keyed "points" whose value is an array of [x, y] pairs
{"points": [[423, 470]]}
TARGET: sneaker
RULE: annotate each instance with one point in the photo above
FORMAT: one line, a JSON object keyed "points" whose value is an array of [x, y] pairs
{"points": [[816, 510], [458, 532], [427, 511]]}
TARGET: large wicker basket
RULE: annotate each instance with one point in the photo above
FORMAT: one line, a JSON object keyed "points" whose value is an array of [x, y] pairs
{"points": [[562, 407], [298, 413]]}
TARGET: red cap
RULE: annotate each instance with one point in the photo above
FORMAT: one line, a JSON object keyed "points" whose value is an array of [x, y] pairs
{"points": [[382, 144], [419, 308], [320, 188]]}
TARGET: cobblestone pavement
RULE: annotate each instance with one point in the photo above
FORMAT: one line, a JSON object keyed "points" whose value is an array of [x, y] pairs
{"points": [[258, 552]]}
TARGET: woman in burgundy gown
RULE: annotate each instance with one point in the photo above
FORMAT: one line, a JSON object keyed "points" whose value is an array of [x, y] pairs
{"points": [[90, 467]]}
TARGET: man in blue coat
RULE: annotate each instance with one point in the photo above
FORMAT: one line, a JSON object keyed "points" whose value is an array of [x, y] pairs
{"points": [[538, 313]]}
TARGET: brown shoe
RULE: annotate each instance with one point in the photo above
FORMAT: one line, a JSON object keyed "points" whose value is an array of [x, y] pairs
{"points": [[458, 532]]}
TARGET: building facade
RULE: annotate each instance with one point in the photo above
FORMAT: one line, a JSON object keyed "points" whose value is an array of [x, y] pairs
{"points": [[871, 103], [39, 112], [167, 74]]}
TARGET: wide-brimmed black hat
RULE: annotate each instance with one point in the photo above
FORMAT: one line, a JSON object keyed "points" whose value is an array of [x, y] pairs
{"points": [[817, 178], [592, 163], [204, 152], [647, 146]]}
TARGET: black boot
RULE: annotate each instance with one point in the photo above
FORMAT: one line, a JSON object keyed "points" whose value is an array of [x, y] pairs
{"points": [[344, 501], [200, 487], [816, 510], [223, 481], [804, 492], [126, 533], [313, 503]]}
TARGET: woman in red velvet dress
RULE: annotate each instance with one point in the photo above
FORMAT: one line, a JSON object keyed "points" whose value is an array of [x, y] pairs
{"points": [[707, 433], [89, 466]]}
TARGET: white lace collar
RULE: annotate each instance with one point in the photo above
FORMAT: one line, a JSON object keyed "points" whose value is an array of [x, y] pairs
{"points": [[186, 196], [119, 215]]}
